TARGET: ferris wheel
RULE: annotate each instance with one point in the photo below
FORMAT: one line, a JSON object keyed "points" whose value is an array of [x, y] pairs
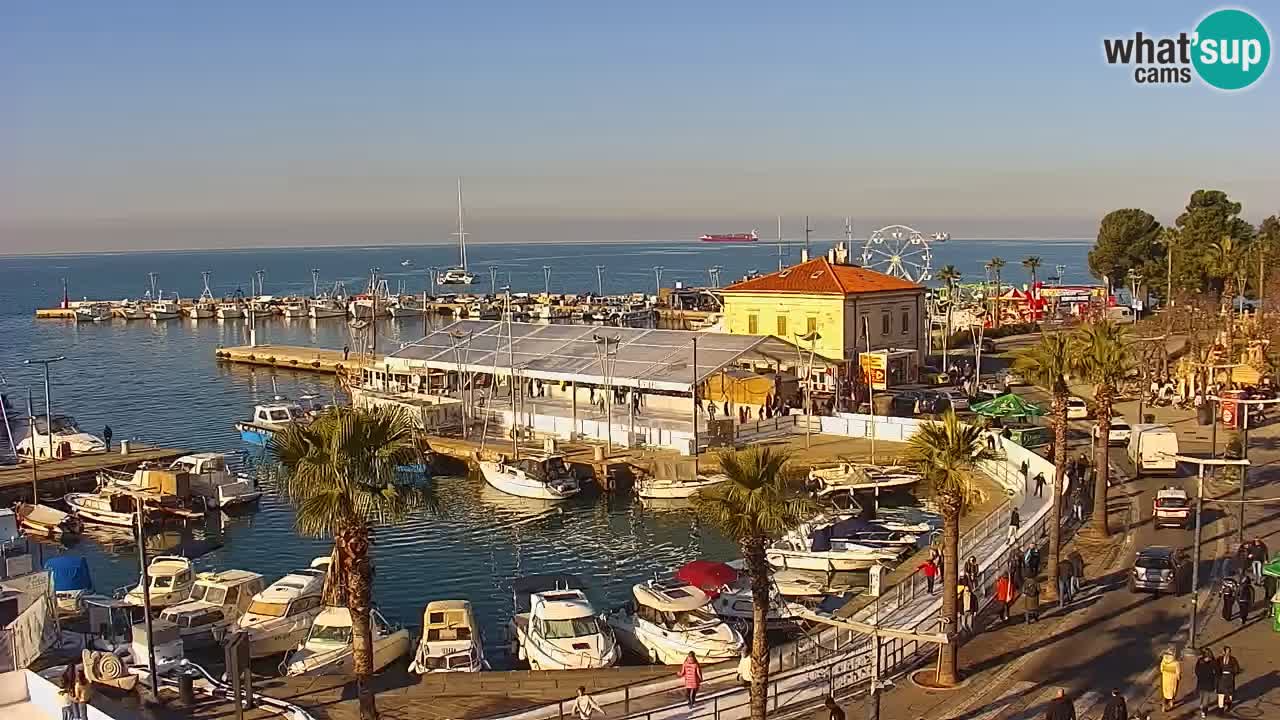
{"points": [[901, 251]]}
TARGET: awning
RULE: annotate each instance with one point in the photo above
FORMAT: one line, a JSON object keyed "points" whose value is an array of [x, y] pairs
{"points": [[1007, 405]]}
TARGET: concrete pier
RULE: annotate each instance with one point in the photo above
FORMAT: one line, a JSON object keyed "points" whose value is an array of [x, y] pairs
{"points": [[293, 357], [59, 476]]}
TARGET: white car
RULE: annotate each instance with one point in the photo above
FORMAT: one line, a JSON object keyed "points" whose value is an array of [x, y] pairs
{"points": [[1010, 378], [1077, 408], [1119, 434], [1172, 508]]}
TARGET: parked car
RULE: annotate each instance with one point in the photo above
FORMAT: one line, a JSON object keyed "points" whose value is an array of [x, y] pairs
{"points": [[1172, 508], [1160, 568], [1077, 408], [1119, 434], [959, 401]]}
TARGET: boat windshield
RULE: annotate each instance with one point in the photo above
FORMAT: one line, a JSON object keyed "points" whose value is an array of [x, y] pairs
{"points": [[270, 609], [209, 593], [691, 619], [572, 627], [337, 634]]}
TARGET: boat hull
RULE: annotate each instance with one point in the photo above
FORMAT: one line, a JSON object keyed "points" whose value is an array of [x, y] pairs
{"points": [[386, 650], [661, 490], [511, 484], [97, 516], [818, 562], [255, 434]]}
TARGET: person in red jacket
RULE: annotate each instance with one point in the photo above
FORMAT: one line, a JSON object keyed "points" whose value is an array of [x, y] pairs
{"points": [[930, 570], [691, 673], [1004, 596]]}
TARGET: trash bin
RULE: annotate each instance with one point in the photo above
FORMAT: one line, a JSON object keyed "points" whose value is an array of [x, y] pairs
{"points": [[187, 688]]}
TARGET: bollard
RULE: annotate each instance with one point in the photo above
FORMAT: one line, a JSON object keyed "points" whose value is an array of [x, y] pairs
{"points": [[124, 447], [186, 689]]}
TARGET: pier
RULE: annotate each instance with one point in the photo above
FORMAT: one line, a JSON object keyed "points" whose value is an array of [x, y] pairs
{"points": [[15, 480], [293, 357]]}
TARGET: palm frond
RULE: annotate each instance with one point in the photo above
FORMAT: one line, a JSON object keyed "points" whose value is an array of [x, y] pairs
{"points": [[758, 501], [946, 454]]}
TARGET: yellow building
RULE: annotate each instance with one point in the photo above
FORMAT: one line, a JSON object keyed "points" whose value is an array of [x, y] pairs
{"points": [[844, 304]]}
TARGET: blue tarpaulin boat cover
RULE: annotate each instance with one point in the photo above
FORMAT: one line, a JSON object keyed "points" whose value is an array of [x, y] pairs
{"points": [[70, 572]]}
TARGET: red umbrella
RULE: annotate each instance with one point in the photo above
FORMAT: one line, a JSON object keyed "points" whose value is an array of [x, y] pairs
{"points": [[707, 575]]}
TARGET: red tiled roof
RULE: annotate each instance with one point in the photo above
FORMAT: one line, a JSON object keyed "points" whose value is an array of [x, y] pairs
{"points": [[821, 277]]}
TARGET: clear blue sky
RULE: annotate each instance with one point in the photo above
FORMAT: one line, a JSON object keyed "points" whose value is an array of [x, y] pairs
{"points": [[131, 123]]}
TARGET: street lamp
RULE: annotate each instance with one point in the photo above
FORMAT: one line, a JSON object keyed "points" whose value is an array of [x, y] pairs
{"points": [[606, 350], [657, 279], [600, 280], [1135, 278], [1195, 566], [546, 280], [812, 338], [48, 402]]}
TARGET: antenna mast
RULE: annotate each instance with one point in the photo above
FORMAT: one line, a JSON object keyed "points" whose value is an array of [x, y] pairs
{"points": [[462, 231]]}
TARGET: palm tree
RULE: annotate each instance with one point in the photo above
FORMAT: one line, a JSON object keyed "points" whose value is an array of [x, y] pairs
{"points": [[949, 275], [946, 454], [339, 471], [1101, 355], [1032, 264], [996, 264], [1227, 263], [757, 505], [1047, 364]]}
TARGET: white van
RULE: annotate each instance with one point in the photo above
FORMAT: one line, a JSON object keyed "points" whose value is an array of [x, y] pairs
{"points": [[1153, 448]]}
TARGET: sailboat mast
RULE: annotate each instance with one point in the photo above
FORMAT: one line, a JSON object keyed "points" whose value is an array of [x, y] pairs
{"points": [[462, 232], [779, 242]]}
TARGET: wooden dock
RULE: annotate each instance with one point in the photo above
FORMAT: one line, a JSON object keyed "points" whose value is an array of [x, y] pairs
{"points": [[293, 357], [58, 476]]}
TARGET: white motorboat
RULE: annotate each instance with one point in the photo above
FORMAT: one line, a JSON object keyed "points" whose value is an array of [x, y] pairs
{"points": [[131, 311], [674, 489], [66, 436], [730, 593], [541, 477], [451, 639], [269, 419], [217, 599], [871, 533], [406, 306], [556, 628], [327, 649], [279, 618], [670, 619], [213, 481], [172, 578], [230, 310], [164, 310], [862, 477], [295, 309], [455, 276], [93, 312], [117, 505], [824, 553], [326, 307]]}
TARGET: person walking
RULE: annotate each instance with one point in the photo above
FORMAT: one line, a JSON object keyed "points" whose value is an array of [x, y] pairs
{"points": [[833, 709], [1032, 560], [1015, 522], [1228, 669], [1040, 482], [971, 571], [1244, 598], [930, 571], [84, 691], [1015, 567], [967, 606], [691, 673], [584, 706], [1031, 600], [1060, 708], [68, 693], [1228, 599], [1077, 572], [106, 438], [1064, 584], [1004, 596], [1170, 676], [1116, 708], [1206, 679]]}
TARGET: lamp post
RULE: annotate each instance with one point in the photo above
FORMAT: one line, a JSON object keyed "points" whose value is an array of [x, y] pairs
{"points": [[1195, 566], [657, 279], [606, 350], [1244, 444], [146, 596], [1135, 278], [48, 402], [546, 280], [812, 338], [600, 280]]}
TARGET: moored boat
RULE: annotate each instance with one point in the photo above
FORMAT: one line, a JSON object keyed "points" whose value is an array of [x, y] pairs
{"points": [[556, 628], [670, 619], [451, 640], [541, 477], [45, 521], [674, 488], [279, 618], [217, 599], [327, 649], [172, 578]]}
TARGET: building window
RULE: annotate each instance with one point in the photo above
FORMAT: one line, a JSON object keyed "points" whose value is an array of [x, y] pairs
{"points": [[884, 323], [782, 326], [906, 322], [811, 325], [753, 324]]}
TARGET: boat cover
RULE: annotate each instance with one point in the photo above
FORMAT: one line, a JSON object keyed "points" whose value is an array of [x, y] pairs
{"points": [[70, 572], [707, 575], [44, 515]]}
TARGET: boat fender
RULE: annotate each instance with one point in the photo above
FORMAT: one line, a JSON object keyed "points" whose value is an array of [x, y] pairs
{"points": [[316, 364]]}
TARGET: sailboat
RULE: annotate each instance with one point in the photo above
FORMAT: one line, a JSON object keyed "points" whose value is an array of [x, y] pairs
{"points": [[458, 275]]}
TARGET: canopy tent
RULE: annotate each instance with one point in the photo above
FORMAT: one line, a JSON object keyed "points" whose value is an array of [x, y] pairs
{"points": [[1007, 405], [639, 358]]}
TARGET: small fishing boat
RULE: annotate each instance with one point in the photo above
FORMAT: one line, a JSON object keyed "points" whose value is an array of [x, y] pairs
{"points": [[674, 488], [44, 521], [172, 578], [205, 307], [326, 307], [131, 311], [118, 506], [270, 418], [213, 481], [670, 619], [295, 309], [230, 311], [93, 312], [541, 477], [279, 618], [406, 306], [164, 310], [217, 599], [71, 582], [556, 628], [451, 640], [327, 649]]}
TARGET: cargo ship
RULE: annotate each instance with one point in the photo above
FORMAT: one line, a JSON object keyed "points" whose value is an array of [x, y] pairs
{"points": [[732, 237]]}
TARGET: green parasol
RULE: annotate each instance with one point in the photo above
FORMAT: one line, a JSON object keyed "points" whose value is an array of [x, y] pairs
{"points": [[1006, 406]]}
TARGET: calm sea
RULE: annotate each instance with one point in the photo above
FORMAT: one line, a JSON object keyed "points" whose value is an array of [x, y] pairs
{"points": [[158, 382]]}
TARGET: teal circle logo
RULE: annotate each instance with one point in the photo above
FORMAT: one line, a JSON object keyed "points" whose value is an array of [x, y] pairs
{"points": [[1232, 49]]}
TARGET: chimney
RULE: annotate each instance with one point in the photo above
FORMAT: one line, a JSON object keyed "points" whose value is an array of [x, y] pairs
{"points": [[804, 255], [842, 253], [831, 256]]}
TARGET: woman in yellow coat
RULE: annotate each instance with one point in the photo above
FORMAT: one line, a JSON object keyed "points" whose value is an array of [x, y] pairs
{"points": [[1170, 675]]}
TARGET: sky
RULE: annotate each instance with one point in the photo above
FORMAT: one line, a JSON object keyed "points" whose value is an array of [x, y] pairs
{"points": [[151, 124]]}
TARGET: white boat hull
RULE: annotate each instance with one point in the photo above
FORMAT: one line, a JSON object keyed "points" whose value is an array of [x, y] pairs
{"points": [[513, 483], [96, 515], [665, 648], [825, 562], [531, 650], [338, 661], [674, 490]]}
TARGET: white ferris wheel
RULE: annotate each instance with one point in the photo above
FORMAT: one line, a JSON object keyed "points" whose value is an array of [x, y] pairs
{"points": [[901, 251]]}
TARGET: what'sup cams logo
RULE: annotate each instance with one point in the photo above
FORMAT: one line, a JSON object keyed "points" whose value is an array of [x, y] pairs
{"points": [[1228, 50]]}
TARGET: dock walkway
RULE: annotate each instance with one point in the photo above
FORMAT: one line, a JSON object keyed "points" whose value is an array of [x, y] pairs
{"points": [[15, 478], [293, 357]]}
